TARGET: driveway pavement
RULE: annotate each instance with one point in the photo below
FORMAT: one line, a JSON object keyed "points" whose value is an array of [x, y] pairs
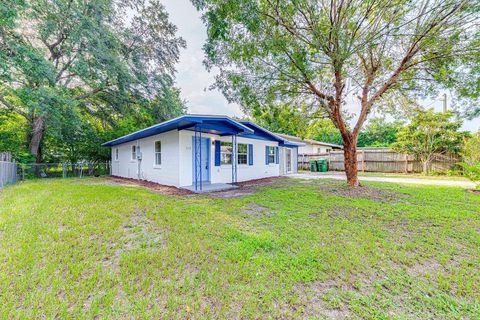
{"points": [[341, 176]]}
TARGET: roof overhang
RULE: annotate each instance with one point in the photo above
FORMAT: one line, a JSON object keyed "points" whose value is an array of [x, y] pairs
{"points": [[220, 125]]}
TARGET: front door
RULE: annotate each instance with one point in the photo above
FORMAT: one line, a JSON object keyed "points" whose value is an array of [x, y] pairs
{"points": [[203, 158], [288, 155]]}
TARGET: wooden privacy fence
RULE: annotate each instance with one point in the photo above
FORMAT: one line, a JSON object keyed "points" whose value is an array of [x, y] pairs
{"points": [[380, 160]]}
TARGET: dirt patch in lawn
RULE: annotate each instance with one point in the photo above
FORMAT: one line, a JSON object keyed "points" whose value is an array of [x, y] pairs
{"points": [[160, 188], [371, 193], [232, 193], [256, 210], [315, 300], [421, 269], [474, 191], [138, 232]]}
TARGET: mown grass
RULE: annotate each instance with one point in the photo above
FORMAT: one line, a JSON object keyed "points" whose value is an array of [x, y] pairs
{"points": [[84, 248]]}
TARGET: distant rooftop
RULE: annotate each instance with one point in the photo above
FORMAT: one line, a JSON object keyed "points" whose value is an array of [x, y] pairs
{"points": [[310, 141]]}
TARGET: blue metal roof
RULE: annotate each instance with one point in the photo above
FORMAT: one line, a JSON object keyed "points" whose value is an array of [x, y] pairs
{"points": [[264, 134], [221, 125]]}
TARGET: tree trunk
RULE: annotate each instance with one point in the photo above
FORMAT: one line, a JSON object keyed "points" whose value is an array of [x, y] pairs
{"points": [[38, 129], [426, 166], [351, 167]]}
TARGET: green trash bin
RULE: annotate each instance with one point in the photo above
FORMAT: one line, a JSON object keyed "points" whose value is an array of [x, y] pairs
{"points": [[313, 166], [322, 165]]}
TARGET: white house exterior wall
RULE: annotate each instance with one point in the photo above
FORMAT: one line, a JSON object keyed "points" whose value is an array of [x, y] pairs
{"points": [[294, 160], [167, 173], [283, 160], [313, 149], [223, 173], [177, 160]]}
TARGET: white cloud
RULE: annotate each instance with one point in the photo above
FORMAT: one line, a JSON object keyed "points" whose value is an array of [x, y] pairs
{"points": [[192, 77]]}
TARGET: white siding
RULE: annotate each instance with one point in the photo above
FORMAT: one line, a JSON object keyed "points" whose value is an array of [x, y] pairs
{"points": [[294, 160], [166, 173], [223, 173], [313, 148], [177, 160], [283, 160]]}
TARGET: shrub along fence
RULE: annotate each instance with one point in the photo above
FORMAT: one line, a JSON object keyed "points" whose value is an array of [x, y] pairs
{"points": [[381, 160]]}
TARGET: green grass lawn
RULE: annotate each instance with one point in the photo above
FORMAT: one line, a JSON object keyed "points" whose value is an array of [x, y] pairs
{"points": [[85, 248]]}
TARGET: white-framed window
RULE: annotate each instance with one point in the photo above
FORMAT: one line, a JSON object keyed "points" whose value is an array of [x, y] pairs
{"points": [[134, 152], [116, 154], [319, 150], [158, 153], [271, 154], [242, 153], [226, 149]]}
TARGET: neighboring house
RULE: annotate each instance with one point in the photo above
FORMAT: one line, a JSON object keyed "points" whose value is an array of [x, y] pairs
{"points": [[193, 150], [311, 146]]}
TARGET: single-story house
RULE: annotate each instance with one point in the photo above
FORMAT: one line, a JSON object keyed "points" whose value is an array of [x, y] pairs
{"points": [[192, 151], [311, 146]]}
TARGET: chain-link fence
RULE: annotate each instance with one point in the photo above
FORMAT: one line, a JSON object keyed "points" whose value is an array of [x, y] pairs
{"points": [[63, 170], [8, 173]]}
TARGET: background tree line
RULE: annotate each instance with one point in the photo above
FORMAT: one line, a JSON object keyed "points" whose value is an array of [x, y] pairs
{"points": [[76, 73]]}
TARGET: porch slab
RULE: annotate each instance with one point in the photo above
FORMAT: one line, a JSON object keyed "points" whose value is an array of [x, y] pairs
{"points": [[211, 187]]}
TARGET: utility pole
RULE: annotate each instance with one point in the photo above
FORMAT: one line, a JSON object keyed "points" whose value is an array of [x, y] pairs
{"points": [[444, 103]]}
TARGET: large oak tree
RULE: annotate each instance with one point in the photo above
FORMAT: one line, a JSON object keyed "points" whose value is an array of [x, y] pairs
{"points": [[98, 55], [322, 53]]}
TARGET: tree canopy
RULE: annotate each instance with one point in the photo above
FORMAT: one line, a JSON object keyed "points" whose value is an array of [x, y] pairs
{"points": [[430, 133], [320, 53], [65, 61]]}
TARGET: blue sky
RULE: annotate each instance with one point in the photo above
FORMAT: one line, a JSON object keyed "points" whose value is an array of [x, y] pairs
{"points": [[194, 80]]}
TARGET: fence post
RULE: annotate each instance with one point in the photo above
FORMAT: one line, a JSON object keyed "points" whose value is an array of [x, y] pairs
{"points": [[64, 170], [14, 171], [363, 160]]}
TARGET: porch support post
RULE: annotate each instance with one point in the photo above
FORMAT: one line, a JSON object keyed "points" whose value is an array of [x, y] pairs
{"points": [[200, 158], [197, 159], [234, 158]]}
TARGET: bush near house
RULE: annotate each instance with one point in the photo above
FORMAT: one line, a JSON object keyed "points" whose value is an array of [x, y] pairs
{"points": [[471, 158], [472, 172]]}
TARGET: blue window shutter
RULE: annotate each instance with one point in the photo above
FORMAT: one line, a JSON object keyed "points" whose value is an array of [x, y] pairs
{"points": [[277, 156], [217, 153], [266, 154], [250, 154]]}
